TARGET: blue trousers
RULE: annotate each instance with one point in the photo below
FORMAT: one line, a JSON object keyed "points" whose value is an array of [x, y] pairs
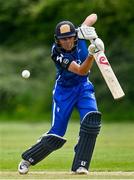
{"points": [[65, 99]]}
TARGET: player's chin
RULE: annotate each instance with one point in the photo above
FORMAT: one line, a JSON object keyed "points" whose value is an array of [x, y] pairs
{"points": [[68, 48]]}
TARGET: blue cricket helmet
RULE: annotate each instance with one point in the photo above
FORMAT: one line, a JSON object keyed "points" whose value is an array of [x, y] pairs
{"points": [[65, 29]]}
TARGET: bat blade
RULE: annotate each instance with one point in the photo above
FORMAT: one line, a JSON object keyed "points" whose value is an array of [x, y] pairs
{"points": [[109, 76]]}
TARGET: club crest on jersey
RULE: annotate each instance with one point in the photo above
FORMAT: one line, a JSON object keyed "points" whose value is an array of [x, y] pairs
{"points": [[66, 61], [103, 60]]}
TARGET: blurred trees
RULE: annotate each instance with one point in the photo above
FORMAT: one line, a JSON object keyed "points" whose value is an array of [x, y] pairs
{"points": [[27, 29]]}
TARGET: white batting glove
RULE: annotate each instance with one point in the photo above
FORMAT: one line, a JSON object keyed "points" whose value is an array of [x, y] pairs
{"points": [[97, 45], [92, 49], [86, 32]]}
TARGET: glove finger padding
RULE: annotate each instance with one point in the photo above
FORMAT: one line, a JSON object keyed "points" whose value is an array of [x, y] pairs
{"points": [[99, 44], [91, 49], [86, 32]]}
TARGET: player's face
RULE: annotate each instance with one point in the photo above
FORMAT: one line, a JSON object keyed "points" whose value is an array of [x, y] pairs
{"points": [[67, 43]]}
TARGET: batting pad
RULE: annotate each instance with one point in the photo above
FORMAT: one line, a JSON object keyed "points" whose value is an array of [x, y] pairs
{"points": [[89, 130], [43, 148]]}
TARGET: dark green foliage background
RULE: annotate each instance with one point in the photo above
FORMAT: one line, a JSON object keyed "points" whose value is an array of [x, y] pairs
{"points": [[27, 29]]}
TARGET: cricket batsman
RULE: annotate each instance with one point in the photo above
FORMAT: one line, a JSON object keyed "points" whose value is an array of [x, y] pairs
{"points": [[73, 62]]}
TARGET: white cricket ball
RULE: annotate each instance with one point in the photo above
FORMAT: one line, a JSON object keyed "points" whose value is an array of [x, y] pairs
{"points": [[25, 74]]}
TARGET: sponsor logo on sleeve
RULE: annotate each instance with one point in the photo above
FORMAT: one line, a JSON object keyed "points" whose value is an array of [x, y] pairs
{"points": [[59, 58]]}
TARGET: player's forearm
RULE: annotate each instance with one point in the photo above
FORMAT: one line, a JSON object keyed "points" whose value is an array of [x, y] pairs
{"points": [[82, 69], [86, 65]]}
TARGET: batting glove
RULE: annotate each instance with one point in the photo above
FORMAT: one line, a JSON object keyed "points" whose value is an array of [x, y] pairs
{"points": [[92, 49], [86, 32], [99, 44]]}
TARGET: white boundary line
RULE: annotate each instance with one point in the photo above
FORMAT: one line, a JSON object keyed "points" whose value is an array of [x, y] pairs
{"points": [[70, 173]]}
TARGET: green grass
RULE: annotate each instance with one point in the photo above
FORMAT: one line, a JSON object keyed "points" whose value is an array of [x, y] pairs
{"points": [[114, 150]]}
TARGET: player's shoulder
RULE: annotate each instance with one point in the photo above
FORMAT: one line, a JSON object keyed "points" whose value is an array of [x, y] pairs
{"points": [[54, 52], [57, 51], [81, 42], [54, 49]]}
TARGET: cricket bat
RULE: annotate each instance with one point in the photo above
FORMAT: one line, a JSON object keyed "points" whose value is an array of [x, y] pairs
{"points": [[104, 66], [108, 74]]}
